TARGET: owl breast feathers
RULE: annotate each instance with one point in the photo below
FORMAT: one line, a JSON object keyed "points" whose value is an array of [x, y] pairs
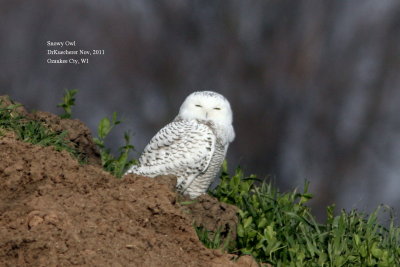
{"points": [[192, 149]]}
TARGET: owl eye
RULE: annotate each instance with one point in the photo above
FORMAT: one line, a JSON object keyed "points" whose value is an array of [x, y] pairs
{"points": [[217, 108], [198, 105]]}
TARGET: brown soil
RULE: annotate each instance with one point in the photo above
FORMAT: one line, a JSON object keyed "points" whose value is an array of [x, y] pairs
{"points": [[55, 211], [77, 133], [208, 212]]}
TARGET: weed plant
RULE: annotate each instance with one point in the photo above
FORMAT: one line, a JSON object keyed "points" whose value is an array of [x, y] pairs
{"points": [[115, 165], [278, 228], [68, 101]]}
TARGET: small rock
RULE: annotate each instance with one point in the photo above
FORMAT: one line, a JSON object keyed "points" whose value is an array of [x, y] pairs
{"points": [[34, 221]]}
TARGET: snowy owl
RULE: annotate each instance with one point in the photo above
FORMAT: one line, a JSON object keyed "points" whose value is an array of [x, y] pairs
{"points": [[193, 146]]}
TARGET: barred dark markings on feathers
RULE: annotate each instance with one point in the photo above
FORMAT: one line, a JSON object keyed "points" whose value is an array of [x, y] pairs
{"points": [[193, 146]]}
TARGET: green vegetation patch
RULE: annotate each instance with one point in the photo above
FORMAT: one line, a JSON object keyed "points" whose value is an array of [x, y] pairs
{"points": [[278, 228], [115, 165], [32, 131]]}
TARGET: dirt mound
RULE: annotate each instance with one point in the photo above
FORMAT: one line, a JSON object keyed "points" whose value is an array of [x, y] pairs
{"points": [[77, 133], [57, 212]]}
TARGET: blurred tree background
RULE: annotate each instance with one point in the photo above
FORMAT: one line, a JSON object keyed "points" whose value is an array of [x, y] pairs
{"points": [[314, 85]]}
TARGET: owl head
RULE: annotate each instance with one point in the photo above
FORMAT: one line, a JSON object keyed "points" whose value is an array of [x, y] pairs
{"points": [[209, 106]]}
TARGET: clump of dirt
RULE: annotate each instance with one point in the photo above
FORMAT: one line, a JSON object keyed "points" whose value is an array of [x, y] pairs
{"points": [[5, 101], [55, 211], [206, 211]]}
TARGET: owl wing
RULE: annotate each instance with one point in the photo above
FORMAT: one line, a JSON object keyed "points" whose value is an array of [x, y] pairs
{"points": [[182, 148]]}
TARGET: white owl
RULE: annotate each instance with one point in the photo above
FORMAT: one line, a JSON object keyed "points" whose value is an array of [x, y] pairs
{"points": [[193, 146]]}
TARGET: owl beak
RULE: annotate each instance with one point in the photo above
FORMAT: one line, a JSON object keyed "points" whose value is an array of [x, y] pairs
{"points": [[206, 115]]}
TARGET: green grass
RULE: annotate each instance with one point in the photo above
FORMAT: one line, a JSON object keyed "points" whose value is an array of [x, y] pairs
{"points": [[278, 228], [32, 131], [213, 240]]}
